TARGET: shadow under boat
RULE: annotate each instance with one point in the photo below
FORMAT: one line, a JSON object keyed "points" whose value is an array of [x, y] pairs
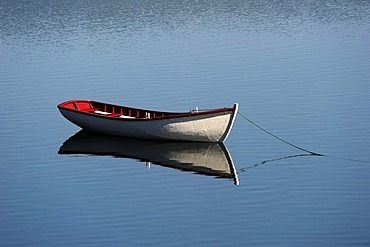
{"points": [[211, 159]]}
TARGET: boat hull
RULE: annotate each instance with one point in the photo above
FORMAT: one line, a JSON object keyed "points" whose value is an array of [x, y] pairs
{"points": [[210, 127]]}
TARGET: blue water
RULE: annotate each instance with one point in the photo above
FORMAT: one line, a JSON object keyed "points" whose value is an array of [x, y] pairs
{"points": [[300, 69]]}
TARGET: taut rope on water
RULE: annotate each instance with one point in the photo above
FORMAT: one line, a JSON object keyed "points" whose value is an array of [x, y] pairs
{"points": [[295, 146], [280, 139]]}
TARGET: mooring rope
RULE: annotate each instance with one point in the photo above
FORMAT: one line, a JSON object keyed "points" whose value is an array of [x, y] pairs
{"points": [[280, 139]]}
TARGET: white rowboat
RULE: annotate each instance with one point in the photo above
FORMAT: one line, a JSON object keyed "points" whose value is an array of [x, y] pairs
{"points": [[201, 126]]}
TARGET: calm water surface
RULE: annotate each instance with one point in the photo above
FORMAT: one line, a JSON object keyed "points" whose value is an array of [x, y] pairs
{"points": [[298, 68]]}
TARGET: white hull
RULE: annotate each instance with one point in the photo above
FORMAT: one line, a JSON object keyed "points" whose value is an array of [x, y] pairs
{"points": [[213, 127]]}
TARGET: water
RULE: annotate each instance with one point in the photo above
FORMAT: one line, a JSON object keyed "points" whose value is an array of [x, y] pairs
{"points": [[299, 69]]}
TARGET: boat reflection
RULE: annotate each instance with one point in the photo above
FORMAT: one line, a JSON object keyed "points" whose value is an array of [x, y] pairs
{"points": [[211, 159]]}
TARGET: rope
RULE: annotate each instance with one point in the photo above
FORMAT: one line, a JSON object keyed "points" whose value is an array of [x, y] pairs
{"points": [[280, 139]]}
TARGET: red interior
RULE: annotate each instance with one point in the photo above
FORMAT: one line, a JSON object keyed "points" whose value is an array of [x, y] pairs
{"points": [[109, 110]]}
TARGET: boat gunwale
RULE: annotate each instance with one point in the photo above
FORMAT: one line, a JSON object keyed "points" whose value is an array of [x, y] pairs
{"points": [[171, 116]]}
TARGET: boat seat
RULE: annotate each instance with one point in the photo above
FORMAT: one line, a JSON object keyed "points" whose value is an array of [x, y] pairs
{"points": [[123, 116], [102, 112]]}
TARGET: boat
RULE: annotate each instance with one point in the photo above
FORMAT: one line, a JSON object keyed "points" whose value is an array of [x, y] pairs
{"points": [[195, 125], [209, 159]]}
